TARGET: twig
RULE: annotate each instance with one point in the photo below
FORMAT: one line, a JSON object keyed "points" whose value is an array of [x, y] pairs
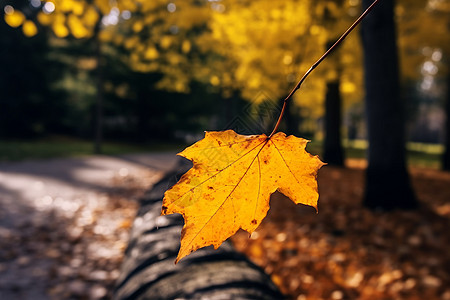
{"points": [[343, 36]]}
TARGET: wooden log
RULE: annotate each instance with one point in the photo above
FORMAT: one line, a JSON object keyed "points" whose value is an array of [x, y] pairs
{"points": [[148, 270]]}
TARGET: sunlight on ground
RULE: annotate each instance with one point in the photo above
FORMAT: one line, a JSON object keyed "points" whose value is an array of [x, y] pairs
{"points": [[64, 223]]}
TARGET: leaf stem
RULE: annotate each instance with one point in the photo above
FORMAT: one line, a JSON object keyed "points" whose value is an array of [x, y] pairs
{"points": [[341, 38]]}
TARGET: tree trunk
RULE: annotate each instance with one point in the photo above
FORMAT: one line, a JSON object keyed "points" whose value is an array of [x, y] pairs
{"points": [[98, 138], [387, 180], [148, 270], [292, 121], [333, 153], [446, 156]]}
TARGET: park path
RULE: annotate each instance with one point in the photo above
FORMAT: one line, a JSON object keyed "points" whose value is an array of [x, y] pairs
{"points": [[64, 222]]}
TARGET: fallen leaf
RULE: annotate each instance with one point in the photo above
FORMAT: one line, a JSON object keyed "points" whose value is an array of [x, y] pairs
{"points": [[230, 184]]}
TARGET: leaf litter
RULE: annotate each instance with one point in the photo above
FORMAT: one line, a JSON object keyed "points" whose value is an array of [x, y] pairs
{"points": [[349, 252], [344, 252]]}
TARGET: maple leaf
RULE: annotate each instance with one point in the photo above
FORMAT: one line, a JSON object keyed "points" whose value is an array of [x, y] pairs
{"points": [[230, 184]]}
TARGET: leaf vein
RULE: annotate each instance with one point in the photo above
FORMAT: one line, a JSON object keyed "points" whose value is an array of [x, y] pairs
{"points": [[231, 192], [282, 157], [220, 171]]}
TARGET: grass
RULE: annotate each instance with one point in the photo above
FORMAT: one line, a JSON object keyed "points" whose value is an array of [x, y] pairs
{"points": [[52, 147], [418, 154]]}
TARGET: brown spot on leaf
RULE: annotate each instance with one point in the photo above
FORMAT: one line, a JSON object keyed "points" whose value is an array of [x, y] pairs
{"points": [[184, 180], [254, 221], [210, 188], [164, 209]]}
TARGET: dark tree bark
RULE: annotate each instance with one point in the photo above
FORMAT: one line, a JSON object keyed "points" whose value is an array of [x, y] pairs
{"points": [[387, 180], [333, 153], [148, 270], [98, 138], [446, 156], [292, 120]]}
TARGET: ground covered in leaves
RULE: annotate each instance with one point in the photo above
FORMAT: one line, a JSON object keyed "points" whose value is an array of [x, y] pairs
{"points": [[349, 252], [344, 252]]}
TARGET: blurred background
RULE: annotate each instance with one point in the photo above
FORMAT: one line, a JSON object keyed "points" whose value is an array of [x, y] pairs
{"points": [[84, 77], [163, 72]]}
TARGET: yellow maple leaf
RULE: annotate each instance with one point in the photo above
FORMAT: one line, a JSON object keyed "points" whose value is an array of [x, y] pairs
{"points": [[230, 184]]}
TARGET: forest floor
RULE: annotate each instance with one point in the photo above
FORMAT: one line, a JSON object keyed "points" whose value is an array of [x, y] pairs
{"points": [[65, 236], [348, 252]]}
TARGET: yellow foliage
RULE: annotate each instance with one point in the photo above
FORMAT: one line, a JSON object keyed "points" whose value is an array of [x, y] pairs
{"points": [[104, 6], [60, 30], [348, 87], [189, 15], [258, 45], [422, 25], [168, 31], [287, 59], [29, 28], [272, 43], [110, 36], [215, 81], [138, 26], [74, 17], [311, 96], [173, 81], [131, 42], [44, 19], [76, 27], [174, 58], [151, 53], [230, 184], [258, 36], [165, 42], [129, 5], [70, 6], [77, 8], [15, 18], [147, 6], [90, 17], [186, 46]]}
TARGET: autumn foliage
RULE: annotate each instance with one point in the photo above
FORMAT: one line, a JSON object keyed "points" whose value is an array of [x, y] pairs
{"points": [[230, 184]]}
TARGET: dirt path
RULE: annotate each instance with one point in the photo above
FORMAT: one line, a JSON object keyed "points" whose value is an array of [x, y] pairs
{"points": [[64, 222]]}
